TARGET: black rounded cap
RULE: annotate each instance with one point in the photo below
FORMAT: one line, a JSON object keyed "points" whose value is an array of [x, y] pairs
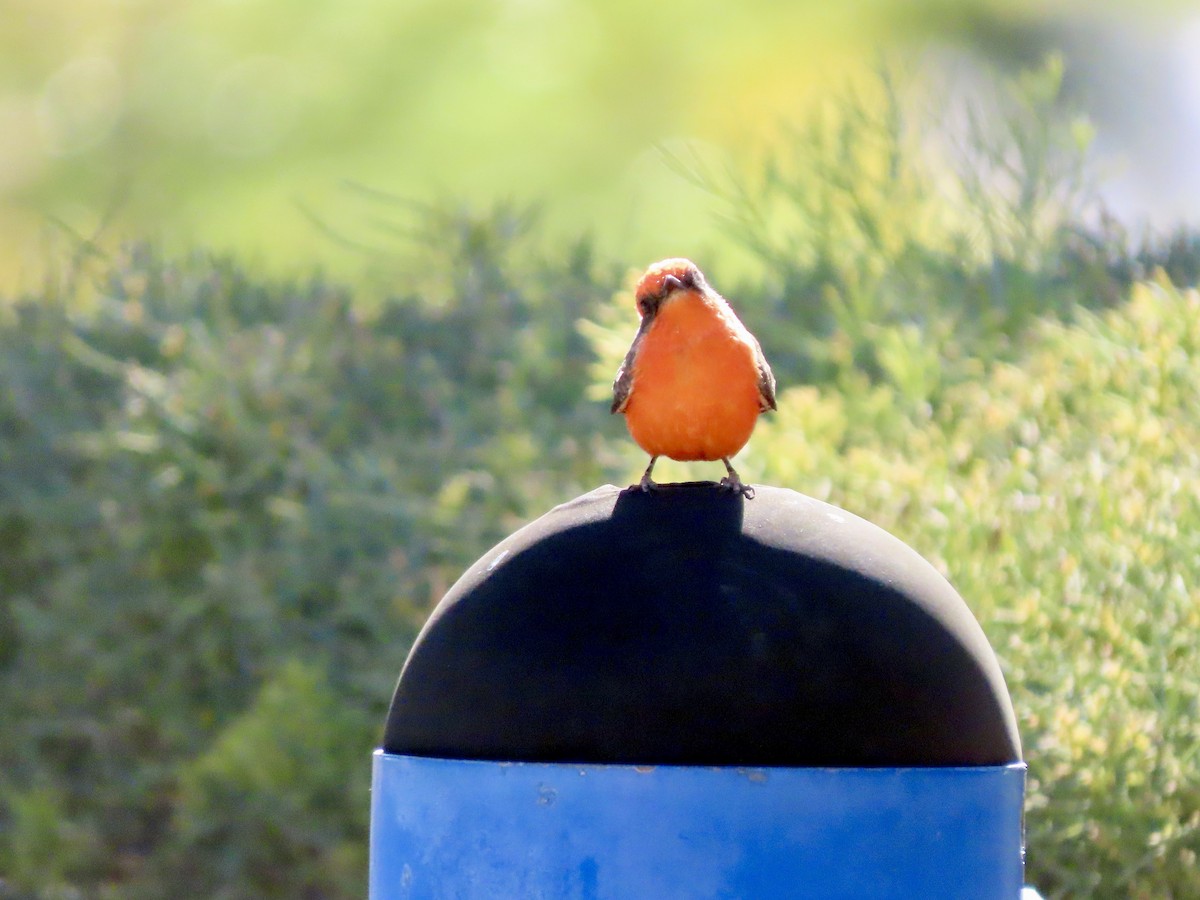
{"points": [[693, 626]]}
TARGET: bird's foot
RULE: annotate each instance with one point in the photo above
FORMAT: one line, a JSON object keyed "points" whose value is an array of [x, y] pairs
{"points": [[646, 485], [737, 486], [732, 482]]}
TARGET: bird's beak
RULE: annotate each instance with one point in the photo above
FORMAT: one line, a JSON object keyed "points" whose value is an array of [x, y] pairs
{"points": [[671, 284]]}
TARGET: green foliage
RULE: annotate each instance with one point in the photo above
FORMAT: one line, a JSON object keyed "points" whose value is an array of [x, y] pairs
{"points": [[895, 214], [203, 476], [277, 804], [227, 503], [1062, 498]]}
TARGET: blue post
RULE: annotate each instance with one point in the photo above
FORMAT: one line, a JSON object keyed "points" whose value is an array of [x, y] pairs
{"points": [[692, 695], [465, 828]]}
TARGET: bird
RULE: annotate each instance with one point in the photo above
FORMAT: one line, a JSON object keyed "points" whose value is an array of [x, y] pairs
{"points": [[695, 380]]}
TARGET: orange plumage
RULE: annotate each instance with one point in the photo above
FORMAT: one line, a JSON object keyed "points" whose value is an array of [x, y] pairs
{"points": [[695, 379]]}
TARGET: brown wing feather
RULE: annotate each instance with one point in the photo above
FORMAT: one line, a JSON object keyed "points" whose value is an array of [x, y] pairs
{"points": [[623, 383], [766, 380]]}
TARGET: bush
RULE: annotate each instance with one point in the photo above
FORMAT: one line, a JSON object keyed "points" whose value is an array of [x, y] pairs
{"points": [[277, 805], [204, 476], [895, 212], [1061, 497]]}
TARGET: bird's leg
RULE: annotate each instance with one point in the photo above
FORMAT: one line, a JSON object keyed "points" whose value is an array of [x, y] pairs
{"points": [[646, 484], [732, 482]]}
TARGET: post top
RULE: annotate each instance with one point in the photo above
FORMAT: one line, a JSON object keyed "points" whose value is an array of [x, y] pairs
{"points": [[692, 626]]}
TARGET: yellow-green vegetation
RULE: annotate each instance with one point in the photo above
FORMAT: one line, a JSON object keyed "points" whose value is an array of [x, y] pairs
{"points": [[1061, 495], [228, 502]]}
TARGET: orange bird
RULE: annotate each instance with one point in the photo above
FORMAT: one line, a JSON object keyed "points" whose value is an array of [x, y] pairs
{"points": [[695, 379]]}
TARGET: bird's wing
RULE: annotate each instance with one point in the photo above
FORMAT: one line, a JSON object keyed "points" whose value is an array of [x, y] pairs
{"points": [[766, 380], [623, 383]]}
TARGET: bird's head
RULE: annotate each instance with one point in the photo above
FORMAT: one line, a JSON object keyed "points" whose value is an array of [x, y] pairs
{"points": [[664, 279]]}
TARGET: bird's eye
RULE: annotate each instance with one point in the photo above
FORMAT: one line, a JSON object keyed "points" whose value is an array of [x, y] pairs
{"points": [[645, 305]]}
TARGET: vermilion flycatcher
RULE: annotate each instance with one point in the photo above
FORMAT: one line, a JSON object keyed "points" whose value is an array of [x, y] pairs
{"points": [[695, 380]]}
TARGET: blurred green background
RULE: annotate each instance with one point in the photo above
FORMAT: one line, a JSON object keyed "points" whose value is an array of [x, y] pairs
{"points": [[247, 125], [304, 307], [238, 124]]}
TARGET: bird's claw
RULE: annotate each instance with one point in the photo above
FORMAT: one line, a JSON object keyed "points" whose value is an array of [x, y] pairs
{"points": [[646, 485], [737, 486]]}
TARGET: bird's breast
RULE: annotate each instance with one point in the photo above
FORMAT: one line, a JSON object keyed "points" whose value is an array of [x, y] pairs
{"points": [[695, 383]]}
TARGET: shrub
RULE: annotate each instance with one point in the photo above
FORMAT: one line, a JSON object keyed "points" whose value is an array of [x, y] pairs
{"points": [[1061, 496], [204, 475]]}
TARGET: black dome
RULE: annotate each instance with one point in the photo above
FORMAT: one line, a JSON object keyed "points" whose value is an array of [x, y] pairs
{"points": [[692, 626]]}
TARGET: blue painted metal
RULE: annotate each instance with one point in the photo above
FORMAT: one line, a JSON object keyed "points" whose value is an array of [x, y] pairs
{"points": [[443, 828]]}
